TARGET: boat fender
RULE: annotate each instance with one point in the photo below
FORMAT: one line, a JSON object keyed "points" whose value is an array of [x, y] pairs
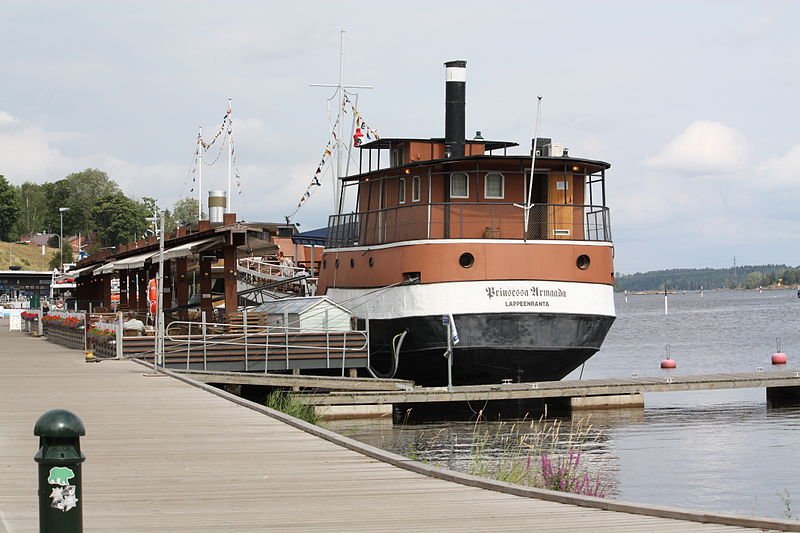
{"points": [[778, 358], [668, 362]]}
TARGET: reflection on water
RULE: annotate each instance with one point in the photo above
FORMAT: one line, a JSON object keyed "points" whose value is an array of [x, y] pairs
{"points": [[712, 450]]}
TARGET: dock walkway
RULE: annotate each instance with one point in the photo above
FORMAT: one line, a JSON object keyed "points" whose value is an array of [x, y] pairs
{"points": [[164, 455]]}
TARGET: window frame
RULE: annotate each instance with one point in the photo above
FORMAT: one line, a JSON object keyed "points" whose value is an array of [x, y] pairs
{"points": [[466, 182], [502, 186], [401, 192], [416, 189]]}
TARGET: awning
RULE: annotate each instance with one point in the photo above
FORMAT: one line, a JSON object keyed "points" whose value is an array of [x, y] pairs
{"points": [[185, 250], [136, 261], [74, 273]]}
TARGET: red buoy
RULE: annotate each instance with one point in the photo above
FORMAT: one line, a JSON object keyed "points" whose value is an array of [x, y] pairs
{"points": [[668, 363], [778, 358]]}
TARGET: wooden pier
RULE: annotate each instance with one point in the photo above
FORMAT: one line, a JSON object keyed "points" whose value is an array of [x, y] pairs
{"points": [[169, 454], [780, 385]]}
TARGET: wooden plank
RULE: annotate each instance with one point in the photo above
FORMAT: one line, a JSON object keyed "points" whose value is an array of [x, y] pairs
{"points": [[164, 455]]}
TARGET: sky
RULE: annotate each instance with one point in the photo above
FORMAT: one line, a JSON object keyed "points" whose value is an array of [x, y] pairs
{"points": [[692, 102]]}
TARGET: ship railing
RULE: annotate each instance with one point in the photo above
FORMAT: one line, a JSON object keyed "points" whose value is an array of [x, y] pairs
{"points": [[469, 220]]}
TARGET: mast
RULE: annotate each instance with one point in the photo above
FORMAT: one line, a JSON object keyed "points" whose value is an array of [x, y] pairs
{"points": [[230, 156], [200, 173], [340, 146], [528, 203], [339, 139]]}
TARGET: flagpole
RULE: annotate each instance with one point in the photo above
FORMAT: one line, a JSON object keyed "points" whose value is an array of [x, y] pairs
{"points": [[200, 173], [230, 157], [450, 353]]}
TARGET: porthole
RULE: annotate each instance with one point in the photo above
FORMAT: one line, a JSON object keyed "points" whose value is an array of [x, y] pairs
{"points": [[371, 261], [466, 260], [336, 264], [583, 261], [352, 262]]}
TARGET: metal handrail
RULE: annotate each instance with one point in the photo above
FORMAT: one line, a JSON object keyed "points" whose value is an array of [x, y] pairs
{"points": [[469, 220], [245, 339]]}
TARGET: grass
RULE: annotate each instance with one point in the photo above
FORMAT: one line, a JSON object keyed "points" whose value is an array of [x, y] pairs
{"points": [[28, 256], [538, 453], [283, 401]]}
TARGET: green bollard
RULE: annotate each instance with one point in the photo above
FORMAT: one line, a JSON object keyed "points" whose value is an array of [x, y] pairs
{"points": [[60, 458]]}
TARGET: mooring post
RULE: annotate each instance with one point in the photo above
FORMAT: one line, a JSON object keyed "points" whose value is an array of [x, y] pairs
{"points": [[60, 479]]}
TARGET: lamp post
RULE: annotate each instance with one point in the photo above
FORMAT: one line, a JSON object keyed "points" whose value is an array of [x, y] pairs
{"points": [[61, 235]]}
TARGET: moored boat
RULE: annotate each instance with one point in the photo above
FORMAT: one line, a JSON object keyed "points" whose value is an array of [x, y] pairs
{"points": [[456, 229]]}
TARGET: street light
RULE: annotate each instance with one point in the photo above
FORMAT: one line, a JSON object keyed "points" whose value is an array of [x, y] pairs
{"points": [[61, 235]]}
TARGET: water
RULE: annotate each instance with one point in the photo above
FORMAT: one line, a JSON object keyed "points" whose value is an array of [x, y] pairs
{"points": [[720, 451]]}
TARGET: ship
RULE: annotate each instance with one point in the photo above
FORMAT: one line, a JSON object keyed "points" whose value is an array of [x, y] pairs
{"points": [[465, 266]]}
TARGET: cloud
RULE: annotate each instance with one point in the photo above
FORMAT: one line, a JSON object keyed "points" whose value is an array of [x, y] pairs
{"points": [[703, 148], [6, 119], [780, 173]]}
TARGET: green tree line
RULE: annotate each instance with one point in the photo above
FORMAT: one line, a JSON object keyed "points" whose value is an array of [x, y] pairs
{"points": [[691, 279], [96, 208]]}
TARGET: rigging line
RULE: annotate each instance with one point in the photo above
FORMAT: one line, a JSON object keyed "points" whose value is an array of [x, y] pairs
{"points": [[189, 173], [221, 128], [219, 153]]}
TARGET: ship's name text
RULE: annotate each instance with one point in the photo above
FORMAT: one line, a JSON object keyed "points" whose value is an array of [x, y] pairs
{"points": [[532, 292]]}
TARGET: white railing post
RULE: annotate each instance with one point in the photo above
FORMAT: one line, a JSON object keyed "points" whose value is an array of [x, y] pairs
{"points": [[286, 339], [344, 350], [246, 339], [188, 345], [203, 330], [266, 350], [118, 334]]}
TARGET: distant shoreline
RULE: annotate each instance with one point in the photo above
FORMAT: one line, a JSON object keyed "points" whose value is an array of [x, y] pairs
{"points": [[687, 291]]}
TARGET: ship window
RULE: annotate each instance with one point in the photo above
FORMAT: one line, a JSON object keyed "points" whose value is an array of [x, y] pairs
{"points": [[459, 185], [401, 192], [583, 261], [494, 186], [415, 189], [466, 260]]}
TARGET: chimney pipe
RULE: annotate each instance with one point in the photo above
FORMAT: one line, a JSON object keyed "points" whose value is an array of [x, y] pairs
{"points": [[217, 203], [454, 108]]}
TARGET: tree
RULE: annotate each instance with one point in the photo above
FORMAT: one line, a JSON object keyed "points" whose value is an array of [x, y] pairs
{"points": [[119, 219], [80, 192], [33, 208], [66, 251], [184, 212], [754, 280], [9, 210]]}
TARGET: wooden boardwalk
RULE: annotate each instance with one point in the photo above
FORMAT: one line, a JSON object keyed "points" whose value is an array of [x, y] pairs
{"points": [[164, 455]]}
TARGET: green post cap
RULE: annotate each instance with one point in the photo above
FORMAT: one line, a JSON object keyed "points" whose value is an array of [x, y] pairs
{"points": [[59, 423]]}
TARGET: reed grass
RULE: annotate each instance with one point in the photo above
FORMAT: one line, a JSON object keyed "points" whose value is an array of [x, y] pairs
{"points": [[541, 453], [285, 402]]}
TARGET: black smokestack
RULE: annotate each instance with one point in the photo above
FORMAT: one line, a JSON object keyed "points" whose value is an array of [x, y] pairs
{"points": [[455, 101]]}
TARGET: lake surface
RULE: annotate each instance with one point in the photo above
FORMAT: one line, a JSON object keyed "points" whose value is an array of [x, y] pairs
{"points": [[711, 450]]}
